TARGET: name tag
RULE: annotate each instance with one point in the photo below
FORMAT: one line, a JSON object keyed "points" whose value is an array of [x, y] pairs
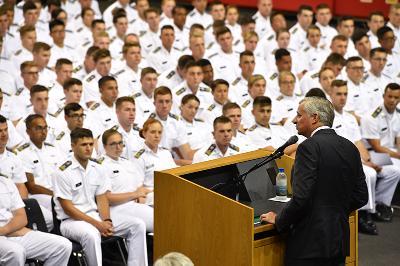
{"points": [[383, 129], [269, 138], [149, 166], [78, 184], [35, 161], [115, 171], [338, 126], [222, 67], [355, 96], [164, 62], [108, 120]]}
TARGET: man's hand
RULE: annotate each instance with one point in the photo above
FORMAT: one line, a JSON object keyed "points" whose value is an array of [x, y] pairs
{"points": [[374, 166], [141, 192], [105, 227], [268, 217]]}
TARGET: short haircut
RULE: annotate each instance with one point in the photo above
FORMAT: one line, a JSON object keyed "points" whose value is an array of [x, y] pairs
{"points": [[189, 97], [120, 13], [339, 37], [204, 62], [71, 82], [253, 79], [3, 119], [29, 5], [178, 6], [280, 31], [191, 64], [358, 35], [147, 70], [92, 50], [215, 3], [62, 61], [246, 20], [338, 83], [184, 60], [336, 59], [39, 46], [262, 101], [221, 120], [229, 106], [248, 35], [280, 53], [173, 258], [84, 10], [353, 59], [375, 13], [323, 69], [285, 73], [304, 8], [162, 90], [72, 107], [376, 50], [344, 18], [392, 86], [245, 53], [322, 107], [100, 54], [316, 92], [128, 45], [167, 27], [322, 6], [107, 134], [313, 27], [97, 21], [29, 120], [25, 29], [217, 82], [275, 14], [382, 31], [221, 31], [27, 64], [103, 80], [151, 10], [36, 89], [122, 100], [80, 133], [54, 23]]}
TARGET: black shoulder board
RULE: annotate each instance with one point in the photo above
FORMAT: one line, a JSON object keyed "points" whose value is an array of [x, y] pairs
{"points": [[23, 147], [236, 81], [19, 91], [119, 72], [365, 78], [377, 112], [171, 74], [136, 127], [77, 16], [94, 106], [12, 35], [134, 96], [210, 149], [48, 144], [152, 115], [143, 32], [280, 97], [205, 89], [174, 116], [252, 128], [270, 37], [180, 91], [234, 147], [315, 75], [90, 78], [237, 42], [65, 165], [86, 43], [211, 107], [294, 31], [199, 120], [398, 110], [306, 49], [210, 45], [60, 136], [273, 76], [76, 69], [139, 153], [208, 27], [99, 161], [18, 52], [5, 93], [212, 55], [157, 49], [80, 29], [191, 14]]}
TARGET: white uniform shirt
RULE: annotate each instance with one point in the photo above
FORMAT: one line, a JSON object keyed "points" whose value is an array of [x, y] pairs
{"points": [[376, 87], [396, 32], [47, 78], [10, 200], [181, 38], [90, 86], [312, 58], [63, 52], [116, 45], [149, 161], [63, 142], [128, 81], [392, 67], [373, 40], [211, 112], [56, 94], [286, 104], [144, 107], [327, 33], [273, 136], [21, 103], [198, 132], [149, 41], [226, 66], [101, 117], [21, 55], [358, 100], [52, 123], [382, 125], [14, 138], [238, 89], [80, 186], [138, 26], [11, 167], [346, 125], [263, 25], [131, 13], [195, 16], [203, 93], [169, 78], [41, 163], [298, 37], [213, 152], [161, 60], [243, 141]]}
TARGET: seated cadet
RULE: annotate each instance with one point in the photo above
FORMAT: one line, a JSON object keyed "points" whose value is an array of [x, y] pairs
{"points": [[251, 44], [41, 56], [221, 146], [326, 76], [80, 189], [27, 39], [144, 96], [174, 76], [220, 90], [40, 160], [239, 87], [118, 33], [150, 39], [299, 31], [175, 138], [387, 40], [197, 130], [19, 243], [197, 45], [363, 47], [64, 70], [125, 110], [208, 71], [74, 117], [88, 64], [177, 19], [40, 101], [239, 138], [381, 180], [126, 178], [262, 133], [152, 157], [101, 115]]}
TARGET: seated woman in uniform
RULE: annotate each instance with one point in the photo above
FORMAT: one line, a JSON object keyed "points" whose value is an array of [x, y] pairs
{"points": [[127, 193], [151, 157]]}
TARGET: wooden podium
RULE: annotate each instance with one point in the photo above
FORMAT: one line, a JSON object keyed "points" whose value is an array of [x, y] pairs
{"points": [[212, 229]]}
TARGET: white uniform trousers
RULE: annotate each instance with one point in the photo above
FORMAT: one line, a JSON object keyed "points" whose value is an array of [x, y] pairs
{"points": [[370, 179], [133, 229], [133, 209], [45, 205], [386, 184], [52, 249]]}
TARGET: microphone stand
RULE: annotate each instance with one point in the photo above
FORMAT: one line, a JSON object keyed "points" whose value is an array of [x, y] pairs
{"points": [[239, 180]]}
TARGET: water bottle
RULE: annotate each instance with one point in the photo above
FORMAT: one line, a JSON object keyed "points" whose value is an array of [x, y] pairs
{"points": [[281, 185]]}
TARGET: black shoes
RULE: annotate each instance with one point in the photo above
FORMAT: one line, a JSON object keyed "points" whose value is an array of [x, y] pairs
{"points": [[365, 223], [383, 213]]}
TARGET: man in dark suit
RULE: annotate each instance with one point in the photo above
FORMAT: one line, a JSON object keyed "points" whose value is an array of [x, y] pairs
{"points": [[328, 184]]}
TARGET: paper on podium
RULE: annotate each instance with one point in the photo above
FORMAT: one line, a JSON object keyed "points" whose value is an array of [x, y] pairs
{"points": [[280, 200]]}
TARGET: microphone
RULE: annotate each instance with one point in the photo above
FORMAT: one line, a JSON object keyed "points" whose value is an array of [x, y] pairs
{"points": [[290, 141]]}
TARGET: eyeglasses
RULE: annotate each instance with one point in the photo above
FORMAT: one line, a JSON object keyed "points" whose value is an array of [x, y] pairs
{"points": [[115, 144], [77, 117]]}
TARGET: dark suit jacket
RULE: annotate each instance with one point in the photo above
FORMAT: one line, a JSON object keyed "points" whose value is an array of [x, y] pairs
{"points": [[328, 184]]}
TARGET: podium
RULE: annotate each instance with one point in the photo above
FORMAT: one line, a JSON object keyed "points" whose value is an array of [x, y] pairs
{"points": [[213, 229]]}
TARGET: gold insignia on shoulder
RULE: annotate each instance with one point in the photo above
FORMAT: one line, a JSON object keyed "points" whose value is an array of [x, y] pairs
{"points": [[234, 147], [139, 153], [48, 144], [171, 74], [273, 76], [270, 37], [211, 107], [210, 149], [210, 45], [306, 49], [180, 91], [152, 115], [377, 112], [99, 160], [236, 81], [18, 52], [136, 127], [65, 165], [157, 49], [76, 69], [12, 150], [94, 106], [58, 111], [60, 136], [205, 89], [134, 96], [23, 147], [294, 31], [280, 97], [365, 78], [19, 91], [252, 128], [174, 116], [90, 78], [315, 75], [115, 127], [244, 105]]}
